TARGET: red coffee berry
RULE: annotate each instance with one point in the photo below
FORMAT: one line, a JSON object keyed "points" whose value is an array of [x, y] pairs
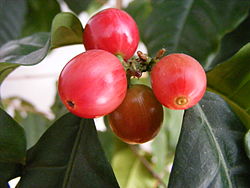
{"points": [[92, 84], [178, 81], [112, 30]]}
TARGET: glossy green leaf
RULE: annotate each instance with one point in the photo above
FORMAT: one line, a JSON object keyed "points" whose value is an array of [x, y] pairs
{"points": [[195, 27], [130, 172], [231, 80], [12, 147], [40, 14], [247, 143], [68, 155], [66, 29], [233, 42], [210, 150], [12, 14], [26, 51]]}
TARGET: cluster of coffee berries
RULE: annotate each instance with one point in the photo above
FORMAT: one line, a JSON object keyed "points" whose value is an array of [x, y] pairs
{"points": [[97, 82]]}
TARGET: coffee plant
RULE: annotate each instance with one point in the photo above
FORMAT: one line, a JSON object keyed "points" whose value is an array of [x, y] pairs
{"points": [[187, 97]]}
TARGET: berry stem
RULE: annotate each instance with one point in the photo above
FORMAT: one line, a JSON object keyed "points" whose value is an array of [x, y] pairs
{"points": [[136, 65]]}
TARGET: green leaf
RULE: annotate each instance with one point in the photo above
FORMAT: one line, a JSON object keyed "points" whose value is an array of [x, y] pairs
{"points": [[233, 42], [210, 150], [78, 5], [247, 143], [12, 148], [130, 172], [231, 80], [12, 15], [26, 51], [9, 171], [66, 29], [12, 140], [39, 16], [195, 27], [68, 155]]}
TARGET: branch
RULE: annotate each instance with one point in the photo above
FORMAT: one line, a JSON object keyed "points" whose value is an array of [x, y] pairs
{"points": [[145, 162]]}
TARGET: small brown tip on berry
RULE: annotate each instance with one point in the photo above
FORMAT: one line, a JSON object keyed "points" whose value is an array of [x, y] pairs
{"points": [[181, 101], [71, 104]]}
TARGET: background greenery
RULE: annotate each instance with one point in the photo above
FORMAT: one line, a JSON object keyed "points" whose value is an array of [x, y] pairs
{"points": [[213, 145]]}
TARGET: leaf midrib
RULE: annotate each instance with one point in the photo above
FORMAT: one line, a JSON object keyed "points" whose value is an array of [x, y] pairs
{"points": [[217, 146], [73, 155]]}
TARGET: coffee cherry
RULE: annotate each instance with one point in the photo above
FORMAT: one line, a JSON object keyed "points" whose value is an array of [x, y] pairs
{"points": [[92, 84], [138, 119], [178, 81], [112, 30]]}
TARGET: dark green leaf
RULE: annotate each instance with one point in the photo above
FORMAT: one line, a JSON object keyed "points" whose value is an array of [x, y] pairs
{"points": [[247, 143], [66, 29], [210, 150], [78, 5], [140, 10], [12, 148], [194, 27], [68, 155], [12, 140], [9, 171], [231, 80], [39, 16], [12, 15], [130, 171], [232, 42]]}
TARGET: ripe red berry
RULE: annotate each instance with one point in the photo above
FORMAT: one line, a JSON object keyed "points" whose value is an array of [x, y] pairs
{"points": [[92, 84], [112, 30], [178, 81], [139, 117]]}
